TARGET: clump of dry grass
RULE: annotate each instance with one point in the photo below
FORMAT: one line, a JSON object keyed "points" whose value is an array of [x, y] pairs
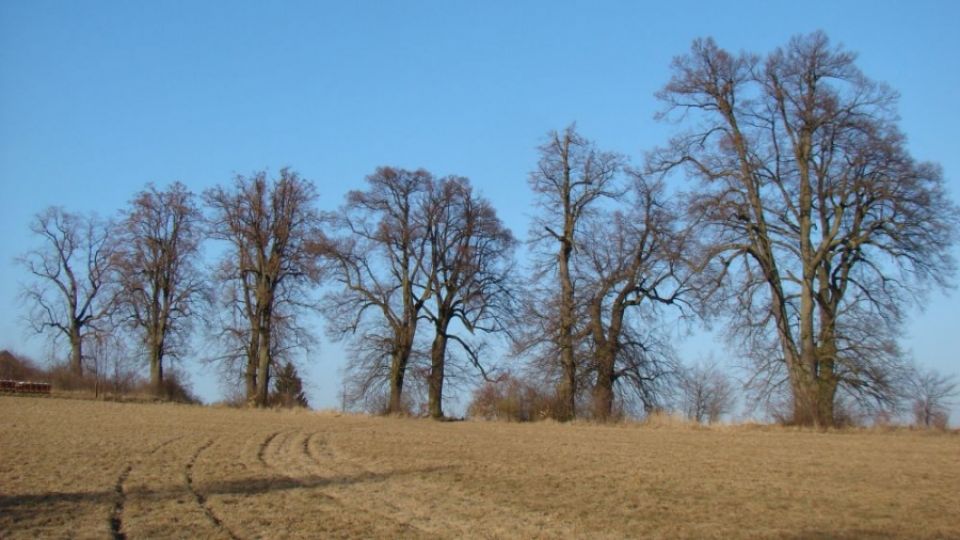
{"points": [[93, 469]]}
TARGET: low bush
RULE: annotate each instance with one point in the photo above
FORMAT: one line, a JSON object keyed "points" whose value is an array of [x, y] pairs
{"points": [[512, 399]]}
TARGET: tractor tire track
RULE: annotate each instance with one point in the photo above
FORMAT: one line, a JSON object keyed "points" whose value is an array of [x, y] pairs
{"points": [[322, 457], [200, 498], [292, 459], [116, 515], [463, 507], [262, 449], [265, 449]]}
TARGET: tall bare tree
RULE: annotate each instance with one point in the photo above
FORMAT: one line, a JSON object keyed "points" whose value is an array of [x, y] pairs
{"points": [[468, 278], [819, 218], [160, 283], [73, 268], [571, 178], [270, 268], [379, 261], [630, 263]]}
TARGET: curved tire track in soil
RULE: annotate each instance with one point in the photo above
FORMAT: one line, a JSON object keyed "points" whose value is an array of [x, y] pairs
{"points": [[268, 448], [291, 459], [463, 514], [262, 449], [200, 498], [320, 456], [116, 515]]}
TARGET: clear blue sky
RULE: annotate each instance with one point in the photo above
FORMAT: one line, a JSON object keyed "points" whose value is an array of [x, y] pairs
{"points": [[98, 98]]}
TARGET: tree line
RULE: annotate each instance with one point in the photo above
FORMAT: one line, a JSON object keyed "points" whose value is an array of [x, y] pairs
{"points": [[804, 225]]}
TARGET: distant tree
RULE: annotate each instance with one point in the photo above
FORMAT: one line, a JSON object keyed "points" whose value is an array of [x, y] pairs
{"points": [[469, 261], [161, 286], [706, 393], [269, 270], [820, 224], [571, 178], [73, 269], [379, 260], [288, 388], [932, 395]]}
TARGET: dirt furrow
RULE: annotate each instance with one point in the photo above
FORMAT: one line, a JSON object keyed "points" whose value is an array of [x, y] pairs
{"points": [[407, 493], [116, 515], [262, 449], [200, 498]]}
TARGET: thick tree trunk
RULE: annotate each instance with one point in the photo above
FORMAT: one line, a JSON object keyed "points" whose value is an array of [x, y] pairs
{"points": [[827, 382], [156, 372], [263, 379], [250, 380], [76, 353], [250, 371], [398, 368], [603, 391], [263, 363], [567, 390], [437, 361], [804, 391]]}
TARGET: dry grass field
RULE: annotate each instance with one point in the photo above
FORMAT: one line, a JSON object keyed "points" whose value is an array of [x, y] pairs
{"points": [[85, 469]]}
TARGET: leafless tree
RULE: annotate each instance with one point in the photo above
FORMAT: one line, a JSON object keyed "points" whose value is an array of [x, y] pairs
{"points": [[571, 179], [932, 394], [631, 262], [71, 296], [161, 285], [469, 262], [269, 269], [817, 215], [706, 393], [379, 260]]}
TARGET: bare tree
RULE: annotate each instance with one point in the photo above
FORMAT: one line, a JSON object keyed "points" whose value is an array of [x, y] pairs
{"points": [[706, 393], [631, 261], [268, 270], [71, 296], [468, 278], [379, 262], [160, 282], [932, 395], [817, 216], [571, 178]]}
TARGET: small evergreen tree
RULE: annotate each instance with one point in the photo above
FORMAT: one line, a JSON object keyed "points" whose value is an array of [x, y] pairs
{"points": [[288, 389]]}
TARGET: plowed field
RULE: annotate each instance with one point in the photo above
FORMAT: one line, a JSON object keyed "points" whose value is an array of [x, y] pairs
{"points": [[85, 469]]}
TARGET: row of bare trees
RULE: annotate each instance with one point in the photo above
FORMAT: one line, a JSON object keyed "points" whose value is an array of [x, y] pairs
{"points": [[138, 273], [805, 224], [141, 273]]}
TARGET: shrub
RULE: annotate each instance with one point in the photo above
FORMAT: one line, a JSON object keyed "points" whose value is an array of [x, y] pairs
{"points": [[513, 399]]}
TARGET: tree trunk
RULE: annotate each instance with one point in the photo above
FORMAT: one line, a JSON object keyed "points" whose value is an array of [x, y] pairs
{"points": [[156, 372], [567, 391], [437, 361], [603, 391], [827, 382], [263, 364], [76, 353], [398, 368], [263, 379], [250, 372]]}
